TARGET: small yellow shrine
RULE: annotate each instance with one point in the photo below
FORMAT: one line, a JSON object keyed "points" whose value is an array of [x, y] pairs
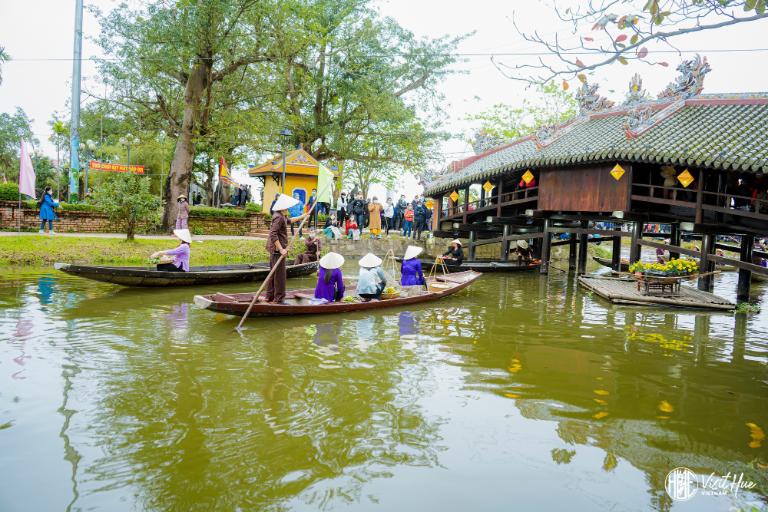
{"points": [[301, 172]]}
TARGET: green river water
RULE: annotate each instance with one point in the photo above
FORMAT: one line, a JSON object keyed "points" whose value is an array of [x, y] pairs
{"points": [[520, 393]]}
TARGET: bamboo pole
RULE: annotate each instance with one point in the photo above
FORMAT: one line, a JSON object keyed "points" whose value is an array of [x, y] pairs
{"points": [[277, 264]]}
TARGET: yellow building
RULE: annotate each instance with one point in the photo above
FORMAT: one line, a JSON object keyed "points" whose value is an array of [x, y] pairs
{"points": [[301, 171]]}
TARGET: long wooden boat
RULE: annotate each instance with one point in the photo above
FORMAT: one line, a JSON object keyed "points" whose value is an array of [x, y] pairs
{"points": [[481, 266], [197, 276], [299, 302], [606, 262]]}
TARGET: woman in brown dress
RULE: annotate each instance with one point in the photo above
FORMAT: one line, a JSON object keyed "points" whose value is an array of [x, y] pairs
{"points": [[277, 246]]}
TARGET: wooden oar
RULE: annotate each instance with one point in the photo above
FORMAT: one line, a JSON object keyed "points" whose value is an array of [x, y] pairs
{"points": [[277, 264]]}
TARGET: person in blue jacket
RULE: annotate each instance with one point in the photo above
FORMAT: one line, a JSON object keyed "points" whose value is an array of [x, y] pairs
{"points": [[47, 204]]}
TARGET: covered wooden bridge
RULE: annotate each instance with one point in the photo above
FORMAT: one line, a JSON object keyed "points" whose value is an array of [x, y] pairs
{"points": [[695, 164]]}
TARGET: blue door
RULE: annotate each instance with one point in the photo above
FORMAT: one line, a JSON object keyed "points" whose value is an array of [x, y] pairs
{"points": [[302, 194]]}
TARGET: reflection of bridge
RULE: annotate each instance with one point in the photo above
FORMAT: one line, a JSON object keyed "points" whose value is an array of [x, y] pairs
{"points": [[694, 163], [652, 357]]}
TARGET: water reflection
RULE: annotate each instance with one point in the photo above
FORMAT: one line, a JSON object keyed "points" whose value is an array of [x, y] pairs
{"points": [[163, 406]]}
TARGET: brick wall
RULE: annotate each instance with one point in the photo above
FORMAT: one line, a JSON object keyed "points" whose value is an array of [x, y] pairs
{"points": [[93, 222]]}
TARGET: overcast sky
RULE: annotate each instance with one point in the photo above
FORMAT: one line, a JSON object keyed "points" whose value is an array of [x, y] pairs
{"points": [[38, 34]]}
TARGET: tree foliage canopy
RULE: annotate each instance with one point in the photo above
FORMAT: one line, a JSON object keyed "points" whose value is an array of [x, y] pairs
{"points": [[127, 201]]}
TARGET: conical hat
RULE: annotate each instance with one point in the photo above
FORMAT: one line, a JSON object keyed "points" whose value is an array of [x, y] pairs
{"points": [[284, 202], [412, 251], [522, 244], [183, 234], [457, 242], [332, 260], [370, 260]]}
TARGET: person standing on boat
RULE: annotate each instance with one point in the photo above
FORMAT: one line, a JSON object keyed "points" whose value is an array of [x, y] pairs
{"points": [[455, 254], [277, 246], [47, 214], [412, 274], [330, 282], [180, 254], [182, 215], [372, 280]]}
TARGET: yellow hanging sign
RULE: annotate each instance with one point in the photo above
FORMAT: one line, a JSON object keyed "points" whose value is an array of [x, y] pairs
{"points": [[685, 178], [454, 196], [488, 186], [617, 172], [528, 177]]}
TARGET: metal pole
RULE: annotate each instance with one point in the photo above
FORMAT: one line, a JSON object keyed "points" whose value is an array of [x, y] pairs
{"points": [[283, 181], [74, 140]]}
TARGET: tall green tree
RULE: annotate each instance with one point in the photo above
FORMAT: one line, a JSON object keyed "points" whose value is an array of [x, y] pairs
{"points": [[356, 87], [127, 201], [171, 59], [13, 128]]}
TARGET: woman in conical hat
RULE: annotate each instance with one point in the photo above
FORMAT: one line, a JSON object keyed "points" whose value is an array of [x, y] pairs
{"points": [[411, 271], [372, 280], [454, 255], [330, 281], [277, 246], [180, 254], [523, 252]]}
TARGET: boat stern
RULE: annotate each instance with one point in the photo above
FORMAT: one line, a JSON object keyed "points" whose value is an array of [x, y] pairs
{"points": [[61, 266]]}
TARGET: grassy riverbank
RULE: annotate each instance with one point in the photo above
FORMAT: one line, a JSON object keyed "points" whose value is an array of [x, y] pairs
{"points": [[44, 250]]}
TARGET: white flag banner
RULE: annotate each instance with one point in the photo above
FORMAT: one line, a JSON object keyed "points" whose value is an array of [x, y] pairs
{"points": [[26, 173]]}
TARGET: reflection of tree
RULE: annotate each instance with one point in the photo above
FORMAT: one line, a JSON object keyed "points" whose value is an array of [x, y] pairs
{"points": [[213, 422]]}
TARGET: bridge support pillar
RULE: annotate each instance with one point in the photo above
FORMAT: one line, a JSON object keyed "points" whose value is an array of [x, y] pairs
{"points": [[616, 254], [637, 234], [706, 283], [504, 256], [472, 246], [745, 276], [546, 246], [674, 239], [571, 251], [583, 245]]}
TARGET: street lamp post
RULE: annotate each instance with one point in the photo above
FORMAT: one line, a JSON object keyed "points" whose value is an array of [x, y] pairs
{"points": [[285, 133], [128, 141]]}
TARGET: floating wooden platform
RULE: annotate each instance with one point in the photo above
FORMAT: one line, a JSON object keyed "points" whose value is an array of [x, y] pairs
{"points": [[624, 291]]}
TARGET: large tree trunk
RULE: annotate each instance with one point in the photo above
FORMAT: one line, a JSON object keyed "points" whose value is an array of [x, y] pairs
{"points": [[184, 154]]}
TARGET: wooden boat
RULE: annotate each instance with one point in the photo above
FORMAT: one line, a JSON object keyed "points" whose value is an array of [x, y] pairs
{"points": [[606, 262], [481, 266], [299, 302], [197, 276]]}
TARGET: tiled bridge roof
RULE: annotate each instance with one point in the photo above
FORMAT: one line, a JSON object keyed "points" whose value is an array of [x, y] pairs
{"points": [[725, 132]]}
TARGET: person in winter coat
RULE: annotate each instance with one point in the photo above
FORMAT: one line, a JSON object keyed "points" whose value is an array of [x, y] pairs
{"points": [[182, 215], [295, 210], [47, 213], [357, 207], [342, 207], [374, 212], [419, 219], [389, 215], [408, 221], [400, 212]]}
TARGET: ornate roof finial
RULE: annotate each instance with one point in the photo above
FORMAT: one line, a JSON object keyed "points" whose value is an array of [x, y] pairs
{"points": [[691, 79], [483, 141], [589, 100], [636, 92]]}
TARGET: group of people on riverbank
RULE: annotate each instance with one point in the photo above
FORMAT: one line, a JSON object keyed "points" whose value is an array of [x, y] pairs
{"points": [[354, 213]]}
